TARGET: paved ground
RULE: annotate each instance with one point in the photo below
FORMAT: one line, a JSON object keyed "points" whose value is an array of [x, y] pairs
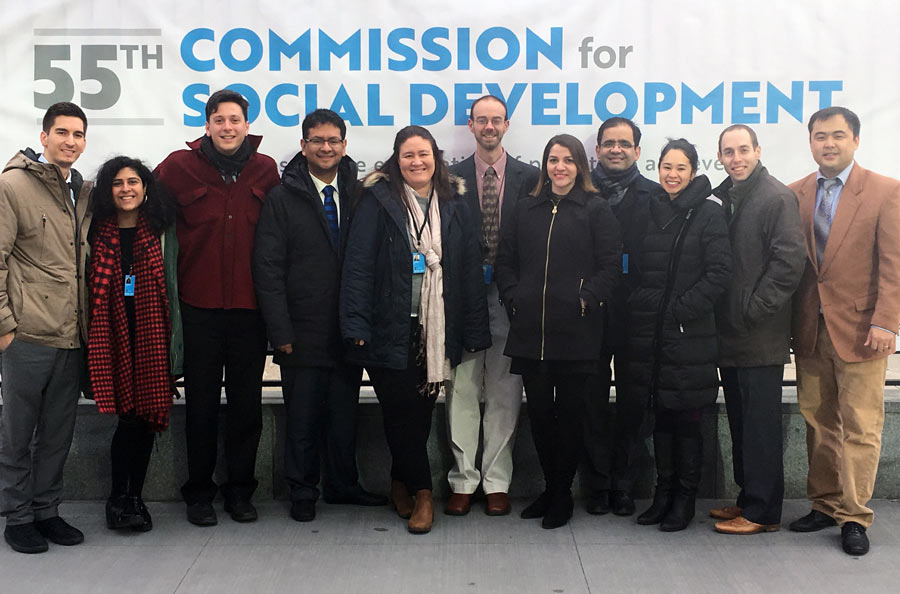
{"points": [[357, 550]]}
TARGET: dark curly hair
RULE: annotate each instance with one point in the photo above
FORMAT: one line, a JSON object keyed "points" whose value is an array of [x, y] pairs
{"points": [[159, 208]]}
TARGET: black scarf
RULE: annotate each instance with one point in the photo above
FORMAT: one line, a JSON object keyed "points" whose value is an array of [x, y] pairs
{"points": [[228, 165], [613, 186]]}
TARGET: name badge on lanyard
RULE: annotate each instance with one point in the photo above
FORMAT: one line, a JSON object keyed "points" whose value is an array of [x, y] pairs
{"points": [[129, 285], [418, 263]]}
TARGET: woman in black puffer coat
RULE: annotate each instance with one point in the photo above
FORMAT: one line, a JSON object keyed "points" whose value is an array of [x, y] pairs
{"points": [[685, 264], [558, 264]]}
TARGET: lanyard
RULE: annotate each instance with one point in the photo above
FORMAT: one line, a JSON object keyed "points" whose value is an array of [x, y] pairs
{"points": [[419, 230]]}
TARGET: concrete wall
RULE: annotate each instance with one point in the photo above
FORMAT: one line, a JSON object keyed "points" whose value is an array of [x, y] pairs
{"points": [[87, 471]]}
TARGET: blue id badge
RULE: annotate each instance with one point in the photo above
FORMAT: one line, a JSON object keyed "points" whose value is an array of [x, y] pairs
{"points": [[418, 262], [625, 263], [488, 271], [129, 285]]}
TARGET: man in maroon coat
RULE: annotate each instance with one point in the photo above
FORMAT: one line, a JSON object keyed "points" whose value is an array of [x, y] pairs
{"points": [[220, 183]]}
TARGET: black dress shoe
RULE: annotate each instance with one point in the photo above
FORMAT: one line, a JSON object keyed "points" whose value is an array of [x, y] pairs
{"points": [[303, 510], [812, 522], [202, 514], [358, 497], [854, 539], [538, 507], [598, 504], [622, 503], [60, 532], [241, 511], [24, 538]]}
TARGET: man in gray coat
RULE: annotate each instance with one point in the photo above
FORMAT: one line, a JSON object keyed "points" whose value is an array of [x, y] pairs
{"points": [[754, 324], [45, 214]]}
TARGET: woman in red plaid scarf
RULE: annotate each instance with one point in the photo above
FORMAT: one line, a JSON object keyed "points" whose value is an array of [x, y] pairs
{"points": [[134, 342]]}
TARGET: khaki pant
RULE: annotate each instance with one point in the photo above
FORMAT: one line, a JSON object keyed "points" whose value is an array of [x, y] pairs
{"points": [[843, 404]]}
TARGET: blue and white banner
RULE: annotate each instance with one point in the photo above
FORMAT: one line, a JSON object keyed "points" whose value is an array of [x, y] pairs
{"points": [[142, 72]]}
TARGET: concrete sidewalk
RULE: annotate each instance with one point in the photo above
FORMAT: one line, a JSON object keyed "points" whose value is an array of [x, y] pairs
{"points": [[367, 550]]}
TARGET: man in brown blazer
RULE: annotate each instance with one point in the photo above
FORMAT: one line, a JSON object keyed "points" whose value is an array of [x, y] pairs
{"points": [[846, 314]]}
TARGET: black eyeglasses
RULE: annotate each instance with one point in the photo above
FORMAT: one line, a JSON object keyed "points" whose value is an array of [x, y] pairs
{"points": [[333, 142], [611, 144]]}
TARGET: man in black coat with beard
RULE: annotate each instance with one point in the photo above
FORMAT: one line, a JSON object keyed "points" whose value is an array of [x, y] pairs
{"points": [[609, 466], [297, 260]]}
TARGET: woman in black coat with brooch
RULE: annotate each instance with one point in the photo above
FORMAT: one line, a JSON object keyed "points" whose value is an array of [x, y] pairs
{"points": [[685, 264], [558, 263]]}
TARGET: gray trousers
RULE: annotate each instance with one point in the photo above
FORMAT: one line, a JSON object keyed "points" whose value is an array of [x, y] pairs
{"points": [[40, 395]]}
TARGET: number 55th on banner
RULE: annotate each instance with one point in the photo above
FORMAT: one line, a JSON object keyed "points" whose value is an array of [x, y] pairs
{"points": [[96, 68]]}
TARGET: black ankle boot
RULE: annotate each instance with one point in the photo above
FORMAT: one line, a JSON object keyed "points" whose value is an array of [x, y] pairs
{"points": [[146, 522], [120, 513], [664, 452], [538, 507], [559, 511], [689, 460]]}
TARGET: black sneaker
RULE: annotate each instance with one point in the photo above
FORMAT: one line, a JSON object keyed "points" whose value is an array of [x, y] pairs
{"points": [[202, 514], [241, 511], [24, 538], [60, 532]]}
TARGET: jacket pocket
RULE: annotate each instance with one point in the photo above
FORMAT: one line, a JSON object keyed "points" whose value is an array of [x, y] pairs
{"points": [[194, 209], [44, 305], [866, 303]]}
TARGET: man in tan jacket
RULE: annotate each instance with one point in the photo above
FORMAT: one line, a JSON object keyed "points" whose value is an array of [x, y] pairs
{"points": [[845, 320], [45, 214]]}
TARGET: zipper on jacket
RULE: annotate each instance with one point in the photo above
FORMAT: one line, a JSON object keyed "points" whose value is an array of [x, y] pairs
{"points": [[580, 300], [546, 270]]}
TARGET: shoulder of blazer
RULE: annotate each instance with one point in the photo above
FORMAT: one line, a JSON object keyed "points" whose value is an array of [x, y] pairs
{"points": [[805, 187]]}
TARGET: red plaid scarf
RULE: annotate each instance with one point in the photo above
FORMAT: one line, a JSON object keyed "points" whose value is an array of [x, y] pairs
{"points": [[122, 383]]}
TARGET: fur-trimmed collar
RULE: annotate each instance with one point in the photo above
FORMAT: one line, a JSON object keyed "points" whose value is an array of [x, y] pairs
{"points": [[376, 176]]}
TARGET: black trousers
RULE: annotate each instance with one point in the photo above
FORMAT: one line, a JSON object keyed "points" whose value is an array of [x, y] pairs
{"points": [[612, 449], [753, 401], [407, 418], [233, 340], [129, 454], [556, 407], [320, 405]]}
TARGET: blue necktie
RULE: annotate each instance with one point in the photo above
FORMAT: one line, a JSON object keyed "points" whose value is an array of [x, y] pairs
{"points": [[331, 214]]}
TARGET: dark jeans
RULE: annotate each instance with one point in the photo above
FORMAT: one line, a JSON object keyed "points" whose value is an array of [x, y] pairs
{"points": [[407, 419], [320, 405], [612, 453], [556, 410], [233, 339], [753, 401], [129, 454]]}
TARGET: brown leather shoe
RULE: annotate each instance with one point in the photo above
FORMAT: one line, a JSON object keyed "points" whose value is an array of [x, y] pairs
{"points": [[729, 512], [423, 514], [458, 504], [401, 499], [741, 525], [497, 504]]}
